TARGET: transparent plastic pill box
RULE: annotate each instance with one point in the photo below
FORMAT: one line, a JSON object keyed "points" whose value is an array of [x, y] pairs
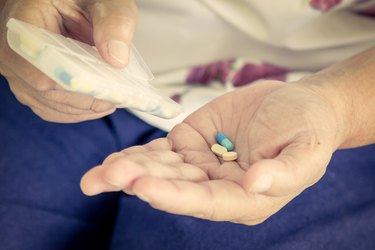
{"points": [[78, 67]]}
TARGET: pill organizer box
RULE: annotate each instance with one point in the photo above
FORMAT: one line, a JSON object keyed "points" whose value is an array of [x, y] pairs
{"points": [[78, 67]]}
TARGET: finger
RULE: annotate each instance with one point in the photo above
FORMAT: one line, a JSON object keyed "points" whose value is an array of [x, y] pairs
{"points": [[122, 172], [297, 167], [19, 68], [114, 24], [121, 177], [28, 96], [219, 200], [51, 115], [25, 94], [157, 144], [92, 182], [77, 101], [42, 103], [75, 21], [59, 99]]}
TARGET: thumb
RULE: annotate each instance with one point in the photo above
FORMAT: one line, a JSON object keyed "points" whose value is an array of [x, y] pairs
{"points": [[297, 167], [113, 26]]}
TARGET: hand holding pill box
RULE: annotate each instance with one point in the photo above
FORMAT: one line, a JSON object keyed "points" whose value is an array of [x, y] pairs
{"points": [[78, 67], [224, 148]]}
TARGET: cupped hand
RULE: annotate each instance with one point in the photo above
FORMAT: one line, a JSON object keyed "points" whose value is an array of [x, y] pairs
{"points": [[107, 24], [284, 134]]}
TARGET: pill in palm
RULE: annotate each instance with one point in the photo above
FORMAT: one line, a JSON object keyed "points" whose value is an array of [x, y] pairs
{"points": [[218, 150], [229, 156], [224, 141]]}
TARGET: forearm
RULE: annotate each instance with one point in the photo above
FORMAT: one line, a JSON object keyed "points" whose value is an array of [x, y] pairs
{"points": [[350, 87]]}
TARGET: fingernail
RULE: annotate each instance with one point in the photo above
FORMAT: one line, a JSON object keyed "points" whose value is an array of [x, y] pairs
{"points": [[118, 50], [263, 184]]}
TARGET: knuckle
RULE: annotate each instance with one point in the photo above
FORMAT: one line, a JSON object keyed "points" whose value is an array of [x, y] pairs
{"points": [[99, 106], [52, 95], [134, 150], [21, 97], [40, 82], [43, 85], [69, 110], [96, 105], [113, 158]]}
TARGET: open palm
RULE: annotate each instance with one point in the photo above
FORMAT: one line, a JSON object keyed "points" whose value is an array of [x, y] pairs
{"points": [[284, 135]]}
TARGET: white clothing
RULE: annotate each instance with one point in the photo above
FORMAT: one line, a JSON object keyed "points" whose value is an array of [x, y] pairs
{"points": [[300, 35]]}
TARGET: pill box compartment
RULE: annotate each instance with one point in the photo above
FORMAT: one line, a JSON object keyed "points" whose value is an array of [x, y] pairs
{"points": [[78, 67]]}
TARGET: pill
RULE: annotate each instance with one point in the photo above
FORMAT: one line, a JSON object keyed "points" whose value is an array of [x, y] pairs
{"points": [[224, 141], [156, 110], [229, 156], [63, 76], [81, 86], [29, 46], [114, 98], [218, 149]]}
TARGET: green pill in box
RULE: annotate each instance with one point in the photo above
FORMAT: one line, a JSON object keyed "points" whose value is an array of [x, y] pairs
{"points": [[78, 67]]}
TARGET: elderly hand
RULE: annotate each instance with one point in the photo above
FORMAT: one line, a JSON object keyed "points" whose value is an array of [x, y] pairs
{"points": [[107, 24], [284, 134]]}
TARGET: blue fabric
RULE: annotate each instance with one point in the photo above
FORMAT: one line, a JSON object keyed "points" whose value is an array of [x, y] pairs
{"points": [[42, 207], [41, 163], [337, 213]]}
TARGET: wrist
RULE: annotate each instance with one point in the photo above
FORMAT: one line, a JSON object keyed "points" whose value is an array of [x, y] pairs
{"points": [[337, 101], [349, 86]]}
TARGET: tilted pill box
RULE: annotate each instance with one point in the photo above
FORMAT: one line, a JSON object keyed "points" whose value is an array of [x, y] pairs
{"points": [[78, 67]]}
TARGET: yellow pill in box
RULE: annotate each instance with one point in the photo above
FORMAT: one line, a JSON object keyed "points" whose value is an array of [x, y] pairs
{"points": [[81, 86], [29, 46]]}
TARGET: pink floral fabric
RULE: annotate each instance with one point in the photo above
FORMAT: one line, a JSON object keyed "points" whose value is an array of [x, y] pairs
{"points": [[225, 72], [324, 5], [205, 74], [327, 5], [251, 72]]}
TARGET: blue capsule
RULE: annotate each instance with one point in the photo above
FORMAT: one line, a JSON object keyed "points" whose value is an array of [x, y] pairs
{"points": [[224, 141], [63, 76]]}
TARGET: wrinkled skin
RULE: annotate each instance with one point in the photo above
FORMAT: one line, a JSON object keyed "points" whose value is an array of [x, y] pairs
{"points": [[284, 134]]}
